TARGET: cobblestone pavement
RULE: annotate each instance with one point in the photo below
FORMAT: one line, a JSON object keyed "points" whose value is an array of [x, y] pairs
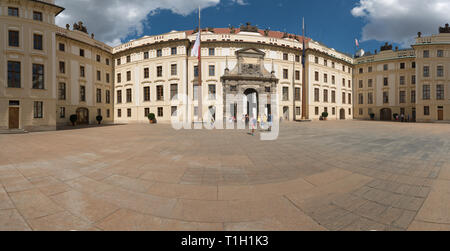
{"points": [[349, 175]]}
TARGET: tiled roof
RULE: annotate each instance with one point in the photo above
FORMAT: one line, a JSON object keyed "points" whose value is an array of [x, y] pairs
{"points": [[272, 34]]}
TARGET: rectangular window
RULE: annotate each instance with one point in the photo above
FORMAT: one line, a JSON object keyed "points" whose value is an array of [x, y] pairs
{"points": [[426, 54], [426, 111], [108, 97], [343, 98], [195, 93], [62, 91], [38, 76], [107, 61], [297, 75], [285, 57], [160, 112], [146, 112], [119, 78], [99, 112], [325, 62], [212, 70], [212, 52], [212, 92], [38, 109], [82, 72], [385, 67], [13, 37], [160, 93], [413, 96], [129, 96], [37, 42], [386, 81], [440, 71], [146, 55], [195, 71], [159, 53], [119, 97], [128, 75], [174, 91], [285, 73], [107, 78], [316, 110], [361, 112], [402, 97], [413, 79], [62, 112], [385, 97], [146, 72], [159, 71], [99, 58], [118, 61], [325, 78], [99, 95], [62, 67], [297, 58], [285, 93], [316, 95], [297, 94], [426, 92], [349, 84], [361, 84], [402, 65], [108, 113], [62, 47], [82, 93], [370, 83], [14, 75], [173, 70], [316, 60], [37, 16], [129, 113], [146, 94], [333, 80], [402, 80], [316, 76], [413, 65], [440, 53], [128, 59], [173, 50], [440, 92], [333, 96], [350, 99], [298, 111], [81, 53], [361, 99], [370, 98], [370, 69], [119, 113], [325, 96], [13, 12], [99, 76]]}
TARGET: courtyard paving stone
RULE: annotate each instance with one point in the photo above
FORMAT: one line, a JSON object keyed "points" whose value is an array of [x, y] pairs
{"points": [[349, 175]]}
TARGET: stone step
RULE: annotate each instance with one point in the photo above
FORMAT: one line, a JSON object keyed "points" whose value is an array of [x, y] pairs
{"points": [[13, 131]]}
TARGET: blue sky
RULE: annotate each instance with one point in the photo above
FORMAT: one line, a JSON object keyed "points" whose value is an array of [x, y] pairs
{"points": [[335, 23], [327, 21]]}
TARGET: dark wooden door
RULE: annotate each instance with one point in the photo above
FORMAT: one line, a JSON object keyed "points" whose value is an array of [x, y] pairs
{"points": [[342, 114], [14, 118], [440, 114]]}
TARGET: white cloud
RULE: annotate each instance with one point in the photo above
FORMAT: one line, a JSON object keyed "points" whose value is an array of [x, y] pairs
{"points": [[113, 20], [399, 20]]}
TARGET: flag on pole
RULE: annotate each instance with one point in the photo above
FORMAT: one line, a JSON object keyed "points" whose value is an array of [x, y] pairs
{"points": [[357, 42], [196, 49]]}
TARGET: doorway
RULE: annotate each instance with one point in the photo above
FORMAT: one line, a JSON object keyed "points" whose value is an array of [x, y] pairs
{"points": [[251, 102], [14, 117], [441, 113], [385, 114], [286, 113], [83, 116], [342, 114]]}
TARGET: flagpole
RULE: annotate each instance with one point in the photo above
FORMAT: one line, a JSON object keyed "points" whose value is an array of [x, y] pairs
{"points": [[200, 88], [304, 108]]}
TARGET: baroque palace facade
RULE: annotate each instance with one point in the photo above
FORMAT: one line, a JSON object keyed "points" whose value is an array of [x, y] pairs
{"points": [[49, 73]]}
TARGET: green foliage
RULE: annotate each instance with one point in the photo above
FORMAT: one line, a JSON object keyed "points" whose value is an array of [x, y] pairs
{"points": [[73, 119], [325, 114]]}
